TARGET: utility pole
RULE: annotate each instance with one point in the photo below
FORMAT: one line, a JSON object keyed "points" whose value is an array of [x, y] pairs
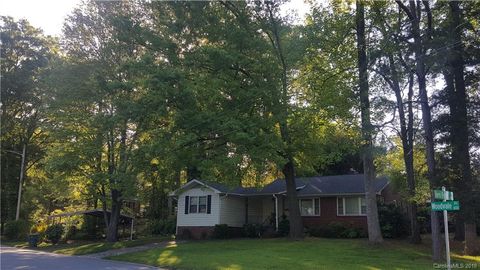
{"points": [[22, 172], [445, 225]]}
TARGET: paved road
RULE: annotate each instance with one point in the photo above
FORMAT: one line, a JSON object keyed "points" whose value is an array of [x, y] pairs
{"points": [[20, 259]]}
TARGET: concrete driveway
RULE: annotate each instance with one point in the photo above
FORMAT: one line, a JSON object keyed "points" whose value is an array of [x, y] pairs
{"points": [[18, 259]]}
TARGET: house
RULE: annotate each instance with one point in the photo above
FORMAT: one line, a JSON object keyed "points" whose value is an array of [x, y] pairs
{"points": [[202, 205]]}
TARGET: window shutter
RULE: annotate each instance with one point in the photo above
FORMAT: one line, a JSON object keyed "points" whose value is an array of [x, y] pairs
{"points": [[209, 204], [186, 204]]}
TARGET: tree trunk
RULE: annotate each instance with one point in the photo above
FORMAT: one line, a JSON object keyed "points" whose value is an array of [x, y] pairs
{"points": [[374, 233], [414, 14], [456, 183], [296, 226], [409, 165], [471, 239], [406, 136], [460, 140], [112, 228], [459, 228]]}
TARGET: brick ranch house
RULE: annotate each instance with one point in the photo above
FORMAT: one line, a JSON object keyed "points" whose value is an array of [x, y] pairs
{"points": [[322, 200]]}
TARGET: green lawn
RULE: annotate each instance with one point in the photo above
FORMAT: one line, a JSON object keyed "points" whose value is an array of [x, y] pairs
{"points": [[88, 247], [311, 253]]}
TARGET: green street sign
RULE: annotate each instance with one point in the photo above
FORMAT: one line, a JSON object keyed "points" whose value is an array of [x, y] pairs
{"points": [[448, 205], [439, 195]]}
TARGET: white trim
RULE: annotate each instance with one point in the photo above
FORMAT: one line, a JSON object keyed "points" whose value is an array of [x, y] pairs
{"points": [[350, 215], [313, 204], [296, 189], [198, 205], [174, 193]]}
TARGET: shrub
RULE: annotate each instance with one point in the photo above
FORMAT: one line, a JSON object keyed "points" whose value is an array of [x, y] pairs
{"points": [[316, 231], [156, 226], [284, 227], [16, 229], [54, 233], [392, 221], [222, 231], [423, 218], [351, 233], [253, 230], [39, 228], [162, 226], [336, 230], [71, 232], [249, 230], [170, 226]]}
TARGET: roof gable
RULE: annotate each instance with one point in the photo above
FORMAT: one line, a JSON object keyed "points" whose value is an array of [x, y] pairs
{"points": [[193, 184]]}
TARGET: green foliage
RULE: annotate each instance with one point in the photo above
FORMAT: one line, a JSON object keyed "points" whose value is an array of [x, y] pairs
{"points": [[393, 165], [141, 97], [71, 232], [337, 230], [253, 230], [222, 231], [16, 229], [392, 221], [162, 226], [54, 233], [283, 227], [25, 54]]}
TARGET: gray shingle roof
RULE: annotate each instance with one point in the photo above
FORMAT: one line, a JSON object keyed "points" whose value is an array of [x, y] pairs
{"points": [[319, 185], [341, 184]]}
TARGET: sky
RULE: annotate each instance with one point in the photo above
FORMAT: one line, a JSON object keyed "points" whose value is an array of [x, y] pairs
{"points": [[46, 14], [50, 14]]}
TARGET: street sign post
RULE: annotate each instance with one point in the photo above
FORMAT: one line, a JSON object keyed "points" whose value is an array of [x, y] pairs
{"points": [[440, 195], [447, 204]]}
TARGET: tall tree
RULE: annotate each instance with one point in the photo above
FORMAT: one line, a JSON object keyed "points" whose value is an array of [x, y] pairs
{"points": [[25, 53], [391, 72], [414, 14], [104, 116], [270, 18], [374, 233], [457, 99]]}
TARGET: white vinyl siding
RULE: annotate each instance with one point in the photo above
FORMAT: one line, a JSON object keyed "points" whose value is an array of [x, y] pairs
{"points": [[351, 206], [198, 219], [232, 211], [255, 210]]}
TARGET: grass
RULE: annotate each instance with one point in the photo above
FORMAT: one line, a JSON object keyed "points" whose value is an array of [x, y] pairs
{"points": [[88, 247], [311, 253]]}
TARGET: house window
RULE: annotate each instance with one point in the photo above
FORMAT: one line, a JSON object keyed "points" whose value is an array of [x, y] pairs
{"points": [[351, 206], [309, 207], [198, 204], [202, 204], [193, 204]]}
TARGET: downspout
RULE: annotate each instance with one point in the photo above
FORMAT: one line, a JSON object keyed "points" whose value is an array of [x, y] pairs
{"points": [[276, 212]]}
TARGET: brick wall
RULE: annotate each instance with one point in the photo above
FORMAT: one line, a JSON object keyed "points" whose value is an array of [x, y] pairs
{"points": [[328, 214]]}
